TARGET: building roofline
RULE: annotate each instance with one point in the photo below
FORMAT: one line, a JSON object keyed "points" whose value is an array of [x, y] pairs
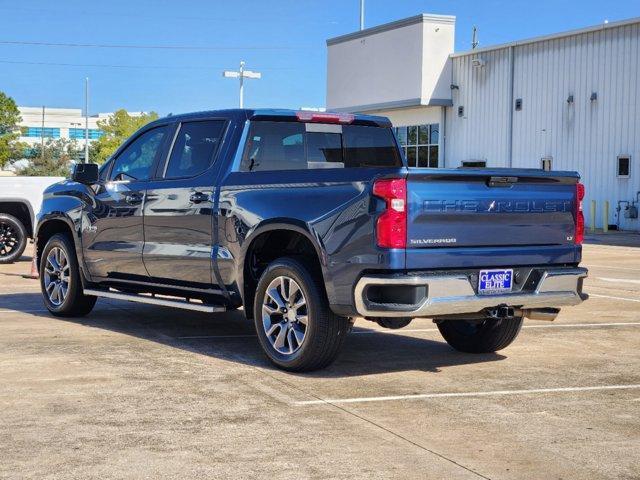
{"points": [[396, 105], [385, 27], [553, 36]]}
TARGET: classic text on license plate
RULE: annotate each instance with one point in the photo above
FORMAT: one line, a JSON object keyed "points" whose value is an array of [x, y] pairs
{"points": [[495, 281]]}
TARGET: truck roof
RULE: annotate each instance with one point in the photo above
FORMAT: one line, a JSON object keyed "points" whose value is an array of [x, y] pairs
{"points": [[281, 114]]}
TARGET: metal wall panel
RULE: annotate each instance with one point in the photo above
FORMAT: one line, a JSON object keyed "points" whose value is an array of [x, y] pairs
{"points": [[585, 135], [480, 134]]}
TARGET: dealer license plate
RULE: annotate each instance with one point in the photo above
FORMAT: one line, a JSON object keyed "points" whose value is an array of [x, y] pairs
{"points": [[495, 281]]}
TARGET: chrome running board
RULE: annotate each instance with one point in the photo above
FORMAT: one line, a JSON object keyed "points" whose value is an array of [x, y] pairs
{"points": [[156, 300]]}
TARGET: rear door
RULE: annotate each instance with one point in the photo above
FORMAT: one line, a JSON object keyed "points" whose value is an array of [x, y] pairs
{"points": [[178, 217], [113, 239], [483, 209]]}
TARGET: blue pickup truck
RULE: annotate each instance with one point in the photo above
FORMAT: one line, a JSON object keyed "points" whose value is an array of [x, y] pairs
{"points": [[307, 221]]}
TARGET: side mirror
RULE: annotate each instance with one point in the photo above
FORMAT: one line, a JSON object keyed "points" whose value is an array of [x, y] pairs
{"points": [[85, 173]]}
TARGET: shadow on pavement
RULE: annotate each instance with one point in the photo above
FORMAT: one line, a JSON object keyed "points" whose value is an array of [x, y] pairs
{"points": [[230, 336]]}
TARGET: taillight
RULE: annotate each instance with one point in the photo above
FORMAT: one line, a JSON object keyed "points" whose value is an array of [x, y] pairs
{"points": [[306, 116], [391, 228], [579, 235]]}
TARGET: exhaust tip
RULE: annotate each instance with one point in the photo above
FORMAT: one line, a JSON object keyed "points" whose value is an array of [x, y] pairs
{"points": [[548, 314]]}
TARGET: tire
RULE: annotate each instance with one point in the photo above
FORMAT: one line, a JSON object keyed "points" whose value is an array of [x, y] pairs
{"points": [[288, 341], [481, 336], [70, 302], [13, 238]]}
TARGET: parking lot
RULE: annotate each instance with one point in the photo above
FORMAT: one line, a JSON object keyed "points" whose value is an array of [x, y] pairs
{"points": [[138, 391]]}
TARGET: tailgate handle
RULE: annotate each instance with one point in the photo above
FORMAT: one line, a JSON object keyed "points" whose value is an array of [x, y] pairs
{"points": [[502, 181]]}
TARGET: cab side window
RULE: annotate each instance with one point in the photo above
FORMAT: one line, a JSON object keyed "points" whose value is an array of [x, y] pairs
{"points": [[135, 162], [194, 148]]}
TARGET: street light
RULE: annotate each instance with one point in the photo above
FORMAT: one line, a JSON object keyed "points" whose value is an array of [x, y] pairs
{"points": [[241, 74], [86, 120]]}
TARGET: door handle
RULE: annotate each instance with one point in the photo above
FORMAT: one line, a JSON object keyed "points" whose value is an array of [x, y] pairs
{"points": [[133, 198], [198, 197]]}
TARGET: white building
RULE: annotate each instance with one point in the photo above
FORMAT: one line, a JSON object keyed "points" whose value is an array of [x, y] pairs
{"points": [[40, 123], [568, 101]]}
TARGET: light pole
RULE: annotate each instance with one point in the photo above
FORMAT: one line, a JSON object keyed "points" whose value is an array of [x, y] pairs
{"points": [[241, 74], [361, 14], [86, 120]]}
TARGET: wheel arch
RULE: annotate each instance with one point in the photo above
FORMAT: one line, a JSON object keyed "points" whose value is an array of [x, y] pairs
{"points": [[293, 237], [22, 210], [51, 225]]}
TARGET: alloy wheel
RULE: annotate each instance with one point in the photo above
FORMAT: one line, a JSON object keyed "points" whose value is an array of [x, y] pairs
{"points": [[56, 276], [285, 315], [9, 239]]}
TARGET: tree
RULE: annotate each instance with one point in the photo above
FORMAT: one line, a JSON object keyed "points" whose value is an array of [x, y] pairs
{"points": [[55, 160], [117, 128], [10, 148]]}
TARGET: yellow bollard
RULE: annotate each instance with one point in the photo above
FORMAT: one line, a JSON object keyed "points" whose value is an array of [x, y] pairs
{"points": [[593, 216], [605, 216]]}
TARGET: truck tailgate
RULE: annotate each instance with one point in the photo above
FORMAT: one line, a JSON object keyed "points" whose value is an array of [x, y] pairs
{"points": [[490, 210]]}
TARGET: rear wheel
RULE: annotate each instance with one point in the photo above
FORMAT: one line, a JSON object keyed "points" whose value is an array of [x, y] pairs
{"points": [[482, 335], [60, 279], [13, 238], [295, 326]]}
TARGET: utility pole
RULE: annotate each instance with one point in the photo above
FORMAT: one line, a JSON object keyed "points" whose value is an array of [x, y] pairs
{"points": [[42, 136], [241, 74], [86, 120]]}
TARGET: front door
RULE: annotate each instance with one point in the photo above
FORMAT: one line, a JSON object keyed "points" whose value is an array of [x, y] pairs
{"points": [[113, 235], [178, 217]]}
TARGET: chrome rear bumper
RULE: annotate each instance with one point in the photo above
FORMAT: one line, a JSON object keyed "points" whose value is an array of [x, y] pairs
{"points": [[450, 294]]}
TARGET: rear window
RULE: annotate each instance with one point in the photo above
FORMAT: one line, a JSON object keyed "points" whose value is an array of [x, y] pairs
{"points": [[370, 147], [324, 149], [289, 146]]}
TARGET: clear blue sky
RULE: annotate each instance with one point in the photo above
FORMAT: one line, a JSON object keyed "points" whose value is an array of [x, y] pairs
{"points": [[284, 39]]}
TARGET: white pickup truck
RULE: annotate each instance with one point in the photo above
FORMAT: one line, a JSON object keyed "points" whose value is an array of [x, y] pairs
{"points": [[20, 201]]}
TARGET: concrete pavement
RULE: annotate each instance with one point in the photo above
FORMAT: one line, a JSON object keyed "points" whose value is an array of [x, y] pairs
{"points": [[137, 391]]}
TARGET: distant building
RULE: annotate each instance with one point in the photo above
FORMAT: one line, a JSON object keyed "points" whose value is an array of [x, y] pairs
{"points": [[566, 101], [53, 123]]}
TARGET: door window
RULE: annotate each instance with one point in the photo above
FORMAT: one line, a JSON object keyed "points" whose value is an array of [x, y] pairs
{"points": [[135, 162], [104, 171], [194, 148]]}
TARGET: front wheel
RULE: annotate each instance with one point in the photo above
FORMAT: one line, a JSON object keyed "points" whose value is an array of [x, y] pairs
{"points": [[60, 279], [295, 326], [482, 335]]}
